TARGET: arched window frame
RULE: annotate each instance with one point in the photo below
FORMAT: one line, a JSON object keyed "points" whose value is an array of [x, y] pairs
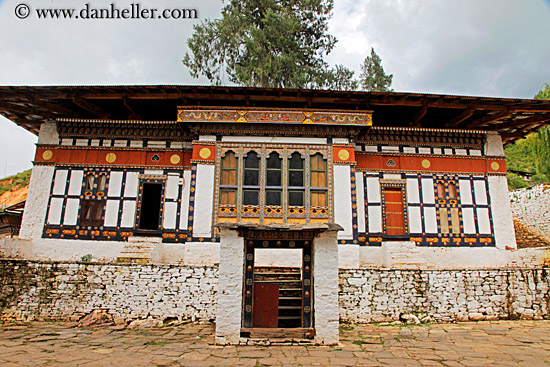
{"points": [[296, 180], [318, 180], [251, 178], [229, 178], [274, 179]]}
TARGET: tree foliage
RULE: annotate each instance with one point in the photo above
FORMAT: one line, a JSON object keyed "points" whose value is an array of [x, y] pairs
{"points": [[531, 154], [372, 77], [268, 43]]}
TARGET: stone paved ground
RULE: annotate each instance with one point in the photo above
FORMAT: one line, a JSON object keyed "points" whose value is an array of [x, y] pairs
{"points": [[502, 343]]}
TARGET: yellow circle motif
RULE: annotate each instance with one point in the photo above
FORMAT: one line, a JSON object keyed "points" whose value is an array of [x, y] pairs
{"points": [[426, 163], [110, 158], [343, 155], [175, 159], [47, 155], [205, 153], [495, 166]]}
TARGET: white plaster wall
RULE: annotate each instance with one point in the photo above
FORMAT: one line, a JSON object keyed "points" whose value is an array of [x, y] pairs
{"points": [[32, 224], [115, 184], [60, 181], [198, 253], [456, 258], [185, 200], [111, 213], [360, 190], [503, 223], [325, 288], [49, 249], [342, 201], [493, 144], [230, 286], [204, 196], [54, 214], [531, 206], [274, 140], [278, 257], [349, 256], [48, 134]]}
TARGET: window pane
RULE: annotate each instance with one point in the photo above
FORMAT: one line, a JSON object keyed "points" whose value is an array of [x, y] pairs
{"points": [[318, 199], [274, 161], [229, 177], [296, 198], [444, 219], [318, 179], [296, 178], [102, 181], [227, 197], [230, 160], [251, 177], [273, 177], [250, 197], [89, 182], [251, 160], [317, 162], [85, 212], [440, 190], [296, 162], [452, 190], [273, 198], [455, 220]]}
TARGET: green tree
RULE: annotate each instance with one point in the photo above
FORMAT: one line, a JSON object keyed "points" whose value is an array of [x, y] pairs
{"points": [[267, 43], [373, 78], [531, 154], [544, 92]]}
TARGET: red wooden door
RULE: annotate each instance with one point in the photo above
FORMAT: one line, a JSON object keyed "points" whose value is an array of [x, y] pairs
{"points": [[266, 305], [395, 215]]}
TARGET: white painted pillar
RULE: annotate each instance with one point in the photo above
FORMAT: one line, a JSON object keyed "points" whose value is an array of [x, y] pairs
{"points": [[503, 224], [36, 205], [325, 288], [204, 196], [230, 288], [342, 201]]}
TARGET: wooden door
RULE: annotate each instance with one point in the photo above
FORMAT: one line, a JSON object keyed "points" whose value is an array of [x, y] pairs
{"points": [[266, 305], [395, 212]]}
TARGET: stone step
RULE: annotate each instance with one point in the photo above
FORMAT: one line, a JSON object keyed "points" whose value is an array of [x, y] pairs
{"points": [[139, 250]]}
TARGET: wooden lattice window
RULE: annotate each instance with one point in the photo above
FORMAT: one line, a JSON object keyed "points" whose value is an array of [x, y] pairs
{"points": [[296, 186], [228, 184], [89, 182], [273, 189], [251, 184], [101, 184], [91, 212], [318, 180]]}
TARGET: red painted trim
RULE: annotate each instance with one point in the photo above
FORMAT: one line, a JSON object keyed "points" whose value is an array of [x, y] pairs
{"points": [[410, 162], [100, 156]]}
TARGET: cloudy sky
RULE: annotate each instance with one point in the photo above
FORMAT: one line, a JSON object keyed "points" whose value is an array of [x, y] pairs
{"points": [[498, 48]]}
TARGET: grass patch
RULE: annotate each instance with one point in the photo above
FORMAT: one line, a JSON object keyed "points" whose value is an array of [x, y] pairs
{"points": [[155, 342]]}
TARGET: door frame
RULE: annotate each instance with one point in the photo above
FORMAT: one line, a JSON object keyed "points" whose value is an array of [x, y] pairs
{"points": [[278, 240]]}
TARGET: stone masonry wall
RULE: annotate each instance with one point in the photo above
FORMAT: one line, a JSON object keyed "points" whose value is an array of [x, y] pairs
{"points": [[51, 290], [531, 207], [33, 290], [444, 295]]}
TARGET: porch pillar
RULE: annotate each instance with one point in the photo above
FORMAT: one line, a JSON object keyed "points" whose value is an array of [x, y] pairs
{"points": [[230, 288], [325, 284]]}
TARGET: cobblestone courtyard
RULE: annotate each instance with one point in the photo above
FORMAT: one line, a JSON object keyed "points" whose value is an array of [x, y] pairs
{"points": [[502, 343]]}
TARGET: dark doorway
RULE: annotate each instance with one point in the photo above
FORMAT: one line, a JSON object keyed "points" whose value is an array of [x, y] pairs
{"points": [[149, 217]]}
